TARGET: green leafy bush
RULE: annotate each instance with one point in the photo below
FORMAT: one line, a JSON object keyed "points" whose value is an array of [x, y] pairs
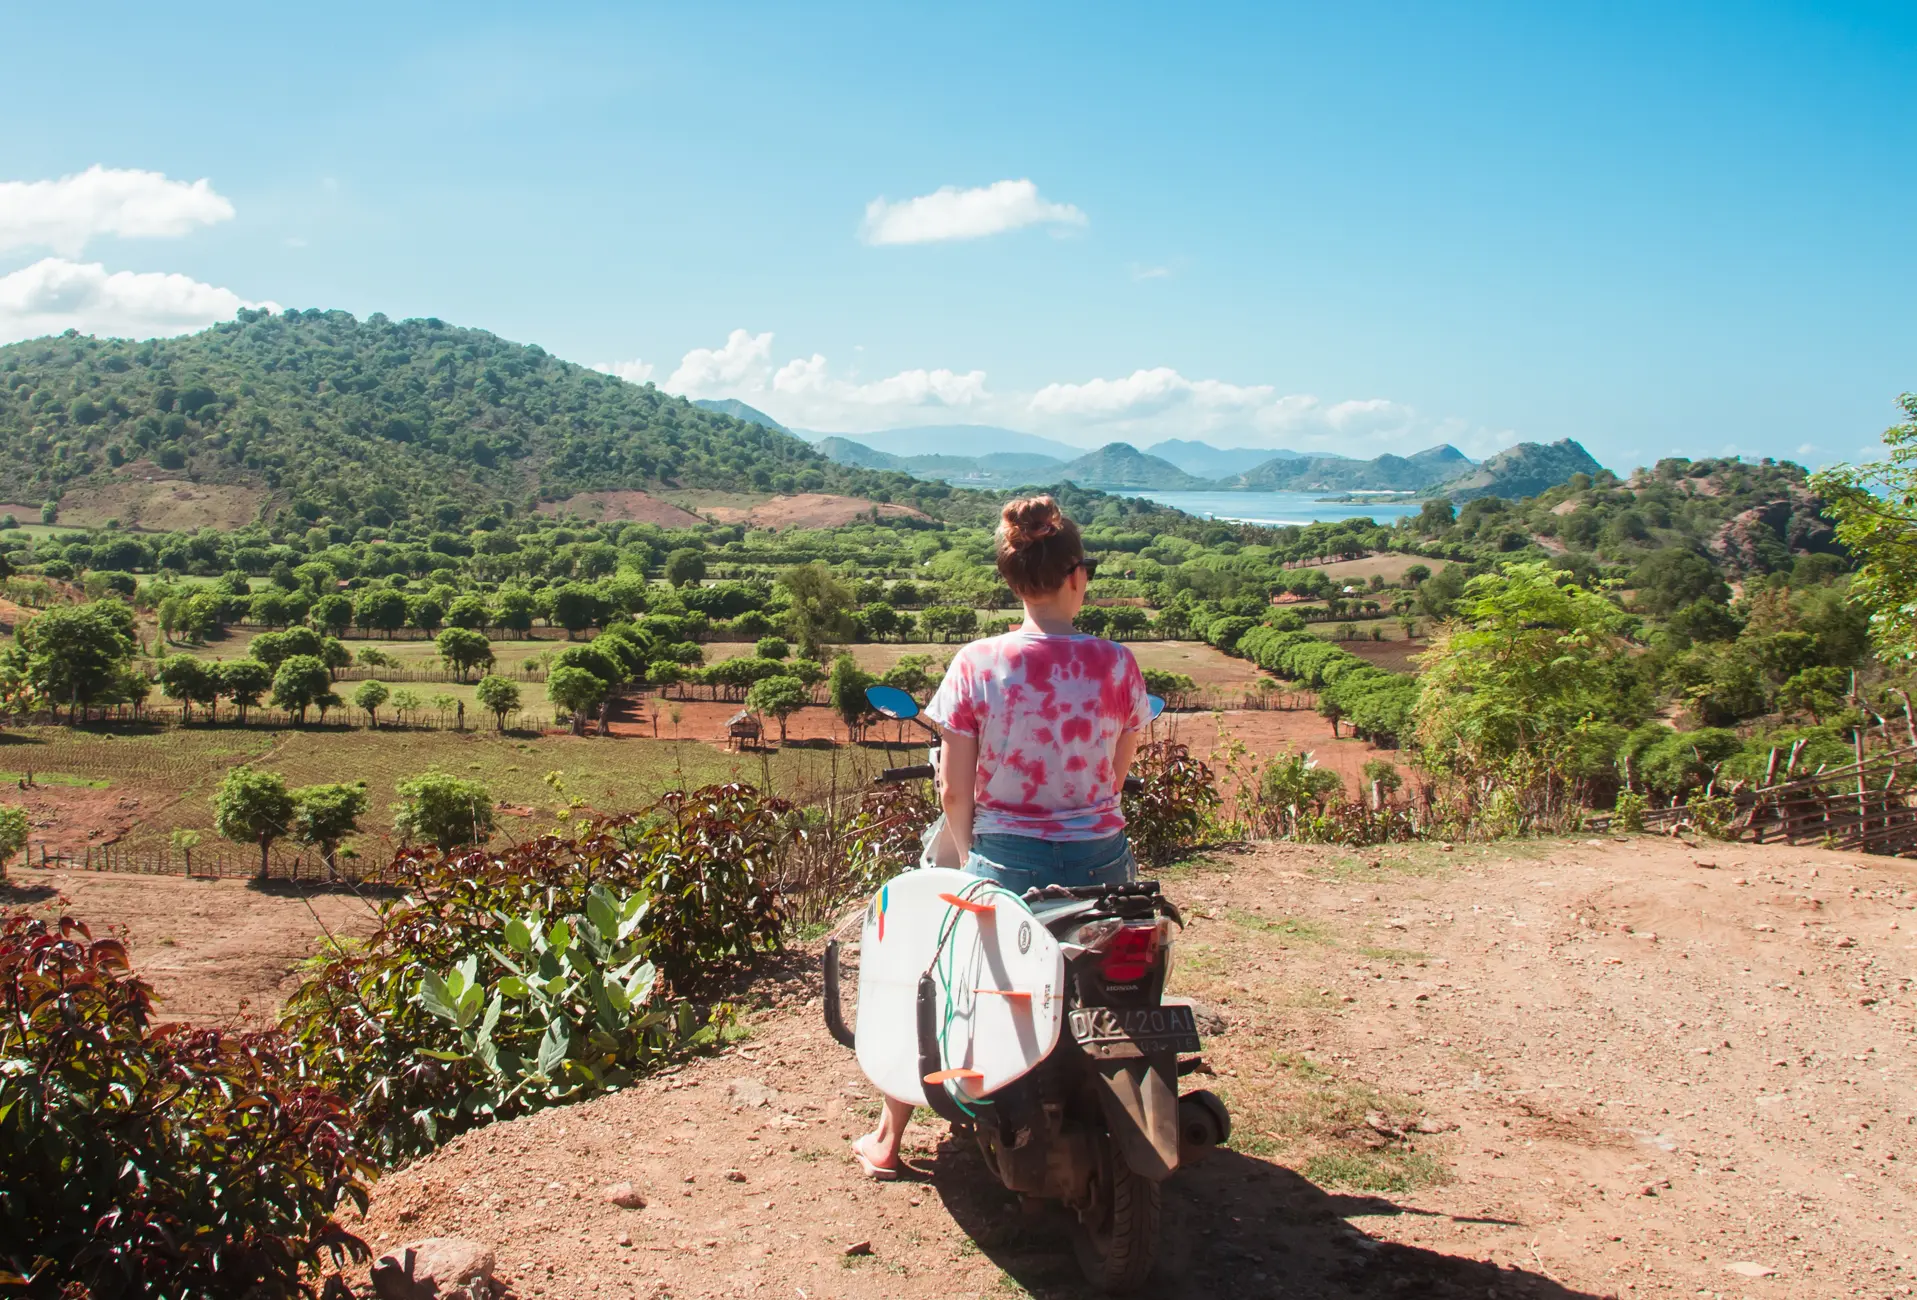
{"points": [[160, 1161], [1176, 810], [504, 983]]}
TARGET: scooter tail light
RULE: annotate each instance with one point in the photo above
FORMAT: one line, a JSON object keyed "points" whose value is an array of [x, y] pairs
{"points": [[1131, 953]]}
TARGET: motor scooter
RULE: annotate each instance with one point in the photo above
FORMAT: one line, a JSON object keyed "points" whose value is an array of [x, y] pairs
{"points": [[1099, 1125]]}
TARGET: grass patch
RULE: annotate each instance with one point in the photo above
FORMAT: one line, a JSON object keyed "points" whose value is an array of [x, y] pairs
{"points": [[57, 778], [1285, 927], [1393, 954], [1386, 1170], [1401, 860]]}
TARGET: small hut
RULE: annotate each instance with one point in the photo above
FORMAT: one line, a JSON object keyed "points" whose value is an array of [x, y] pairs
{"points": [[743, 729]]}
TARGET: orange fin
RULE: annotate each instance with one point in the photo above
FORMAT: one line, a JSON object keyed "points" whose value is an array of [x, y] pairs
{"points": [[946, 1076], [1006, 993], [977, 909]]}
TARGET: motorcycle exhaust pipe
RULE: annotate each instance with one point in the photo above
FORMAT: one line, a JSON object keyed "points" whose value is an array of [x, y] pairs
{"points": [[1203, 1123]]}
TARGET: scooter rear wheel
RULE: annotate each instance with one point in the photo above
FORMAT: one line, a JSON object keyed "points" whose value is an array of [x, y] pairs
{"points": [[1117, 1238]]}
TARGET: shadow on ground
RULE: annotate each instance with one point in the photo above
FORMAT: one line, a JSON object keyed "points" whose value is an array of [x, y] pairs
{"points": [[1233, 1226], [17, 895]]}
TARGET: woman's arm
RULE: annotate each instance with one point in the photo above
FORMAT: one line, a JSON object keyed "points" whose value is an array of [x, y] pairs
{"points": [[1122, 755], [958, 783]]}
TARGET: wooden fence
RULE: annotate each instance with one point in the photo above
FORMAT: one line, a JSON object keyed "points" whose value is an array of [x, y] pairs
{"points": [[213, 860]]}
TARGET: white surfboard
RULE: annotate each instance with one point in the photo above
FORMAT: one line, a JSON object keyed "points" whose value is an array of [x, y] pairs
{"points": [[999, 974]]}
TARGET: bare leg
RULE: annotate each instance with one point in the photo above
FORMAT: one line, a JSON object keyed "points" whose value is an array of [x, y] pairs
{"points": [[881, 1146]]}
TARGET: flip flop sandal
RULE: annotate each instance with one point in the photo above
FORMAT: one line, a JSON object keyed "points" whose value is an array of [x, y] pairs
{"points": [[876, 1172]]}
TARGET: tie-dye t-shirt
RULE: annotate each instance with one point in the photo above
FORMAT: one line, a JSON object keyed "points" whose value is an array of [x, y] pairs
{"points": [[1048, 712]]}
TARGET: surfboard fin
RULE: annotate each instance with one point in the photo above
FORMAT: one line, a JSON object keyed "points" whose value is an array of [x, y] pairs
{"points": [[1007, 993], [946, 1076], [966, 904]]}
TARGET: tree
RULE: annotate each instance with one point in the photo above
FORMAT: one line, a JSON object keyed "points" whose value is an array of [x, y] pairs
{"points": [[382, 609], [77, 654], [188, 680], [948, 621], [332, 613], [780, 697], [1536, 673], [13, 833], [575, 607], [443, 809], [576, 691], [464, 649], [425, 613], [299, 683], [323, 815], [370, 695], [1672, 578], [820, 615], [334, 654], [686, 567], [1820, 692], [269, 648], [513, 609], [847, 690], [772, 647], [253, 807], [244, 681], [469, 611], [877, 621], [499, 694], [1875, 506]]}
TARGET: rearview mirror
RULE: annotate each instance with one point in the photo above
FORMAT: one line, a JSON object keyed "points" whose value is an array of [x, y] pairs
{"points": [[892, 702]]}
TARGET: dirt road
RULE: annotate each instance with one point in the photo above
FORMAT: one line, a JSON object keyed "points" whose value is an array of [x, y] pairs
{"points": [[215, 951], [1552, 1069]]}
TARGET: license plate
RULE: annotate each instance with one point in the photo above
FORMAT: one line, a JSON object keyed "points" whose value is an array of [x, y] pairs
{"points": [[1134, 1031]]}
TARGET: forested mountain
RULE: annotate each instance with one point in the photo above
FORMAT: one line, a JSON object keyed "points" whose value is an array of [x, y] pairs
{"points": [[1523, 471], [373, 421], [1119, 466], [1426, 469], [738, 410], [966, 440]]}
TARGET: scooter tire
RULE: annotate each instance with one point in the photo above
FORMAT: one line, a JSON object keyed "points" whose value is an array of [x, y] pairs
{"points": [[1117, 1255]]}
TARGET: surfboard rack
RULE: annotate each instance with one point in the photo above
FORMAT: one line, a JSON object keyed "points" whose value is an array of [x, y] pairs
{"points": [[931, 1062], [834, 1012]]}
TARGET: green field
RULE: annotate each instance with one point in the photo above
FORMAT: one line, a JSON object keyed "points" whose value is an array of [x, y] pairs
{"points": [[174, 772]]}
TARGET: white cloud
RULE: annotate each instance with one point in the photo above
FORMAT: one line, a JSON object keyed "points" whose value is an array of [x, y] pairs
{"points": [[55, 295], [1146, 392], [804, 392], [953, 213], [633, 372], [64, 215], [1151, 272], [742, 364]]}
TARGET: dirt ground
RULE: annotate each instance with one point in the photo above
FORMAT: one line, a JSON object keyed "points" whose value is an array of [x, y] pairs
{"points": [[627, 504], [810, 510], [216, 951], [1560, 1069]]}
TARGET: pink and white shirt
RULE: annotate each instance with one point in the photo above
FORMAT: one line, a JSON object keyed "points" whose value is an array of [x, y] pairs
{"points": [[1047, 712]]}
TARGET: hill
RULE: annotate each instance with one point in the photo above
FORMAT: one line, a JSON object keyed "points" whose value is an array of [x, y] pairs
{"points": [[1415, 473], [1522, 471], [1206, 461], [738, 410], [1119, 466], [367, 422]]}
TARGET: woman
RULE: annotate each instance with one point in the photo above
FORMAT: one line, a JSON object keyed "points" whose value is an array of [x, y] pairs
{"points": [[1039, 728]]}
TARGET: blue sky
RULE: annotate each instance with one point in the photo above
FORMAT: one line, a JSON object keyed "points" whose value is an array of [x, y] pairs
{"points": [[1659, 229]]}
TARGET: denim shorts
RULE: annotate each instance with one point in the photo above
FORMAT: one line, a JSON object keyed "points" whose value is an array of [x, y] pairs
{"points": [[1021, 862]]}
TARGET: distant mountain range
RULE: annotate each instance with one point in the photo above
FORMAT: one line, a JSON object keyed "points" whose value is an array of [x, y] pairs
{"points": [[986, 456], [1523, 470]]}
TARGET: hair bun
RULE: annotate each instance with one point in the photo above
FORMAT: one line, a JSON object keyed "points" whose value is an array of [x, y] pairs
{"points": [[1032, 520]]}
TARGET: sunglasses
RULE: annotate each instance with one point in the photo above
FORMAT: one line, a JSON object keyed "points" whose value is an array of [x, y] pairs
{"points": [[1090, 567]]}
